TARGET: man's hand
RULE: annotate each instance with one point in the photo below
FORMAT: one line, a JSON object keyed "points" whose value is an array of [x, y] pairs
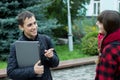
{"points": [[49, 53], [38, 69]]}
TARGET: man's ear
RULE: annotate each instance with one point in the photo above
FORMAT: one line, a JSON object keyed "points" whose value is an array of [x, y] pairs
{"points": [[21, 27]]}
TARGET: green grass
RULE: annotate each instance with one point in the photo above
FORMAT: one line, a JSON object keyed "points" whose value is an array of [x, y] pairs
{"points": [[62, 52], [3, 64]]}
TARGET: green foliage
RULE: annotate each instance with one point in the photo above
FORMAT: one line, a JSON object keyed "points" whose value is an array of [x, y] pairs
{"points": [[48, 27], [89, 44], [88, 24], [60, 32], [83, 26], [8, 33], [58, 9], [78, 31]]}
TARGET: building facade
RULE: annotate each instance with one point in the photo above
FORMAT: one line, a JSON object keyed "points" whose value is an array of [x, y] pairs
{"points": [[97, 6]]}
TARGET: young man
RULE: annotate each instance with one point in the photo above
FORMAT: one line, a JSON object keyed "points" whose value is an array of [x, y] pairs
{"points": [[108, 67], [27, 23]]}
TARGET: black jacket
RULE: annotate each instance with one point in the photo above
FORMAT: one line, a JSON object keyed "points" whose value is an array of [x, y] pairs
{"points": [[27, 73]]}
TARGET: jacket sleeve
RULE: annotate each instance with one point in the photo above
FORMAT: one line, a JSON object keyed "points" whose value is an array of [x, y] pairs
{"points": [[107, 67], [54, 61], [13, 71]]}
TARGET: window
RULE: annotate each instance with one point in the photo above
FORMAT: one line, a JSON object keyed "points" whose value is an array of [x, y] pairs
{"points": [[119, 5], [96, 7]]}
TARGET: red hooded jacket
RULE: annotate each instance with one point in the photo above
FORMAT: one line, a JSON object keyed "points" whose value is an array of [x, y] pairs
{"points": [[109, 66]]}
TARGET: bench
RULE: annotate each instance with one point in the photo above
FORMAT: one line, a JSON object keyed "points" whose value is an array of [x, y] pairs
{"points": [[3, 73]]}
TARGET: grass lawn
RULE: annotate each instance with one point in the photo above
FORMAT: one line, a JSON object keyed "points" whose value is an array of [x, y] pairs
{"points": [[3, 64], [63, 53]]}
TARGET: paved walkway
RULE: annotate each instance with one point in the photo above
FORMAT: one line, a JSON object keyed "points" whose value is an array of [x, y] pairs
{"points": [[64, 64]]}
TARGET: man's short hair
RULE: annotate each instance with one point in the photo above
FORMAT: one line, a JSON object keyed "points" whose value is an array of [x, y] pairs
{"points": [[22, 16]]}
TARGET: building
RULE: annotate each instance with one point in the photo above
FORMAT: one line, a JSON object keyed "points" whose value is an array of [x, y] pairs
{"points": [[97, 6]]}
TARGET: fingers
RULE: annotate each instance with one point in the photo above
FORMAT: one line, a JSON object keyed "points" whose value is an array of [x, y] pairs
{"points": [[49, 53], [38, 62], [42, 69], [39, 69], [49, 50]]}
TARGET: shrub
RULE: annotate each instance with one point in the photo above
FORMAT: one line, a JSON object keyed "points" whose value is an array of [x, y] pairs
{"points": [[60, 32], [89, 44], [83, 26]]}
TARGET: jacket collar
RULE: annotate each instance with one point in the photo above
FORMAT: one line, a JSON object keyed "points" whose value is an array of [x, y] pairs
{"points": [[28, 39]]}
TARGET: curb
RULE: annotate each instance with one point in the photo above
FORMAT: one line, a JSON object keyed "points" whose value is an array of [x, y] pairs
{"points": [[76, 62]]}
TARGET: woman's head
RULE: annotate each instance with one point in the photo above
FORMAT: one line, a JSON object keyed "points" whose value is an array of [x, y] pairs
{"points": [[110, 20]]}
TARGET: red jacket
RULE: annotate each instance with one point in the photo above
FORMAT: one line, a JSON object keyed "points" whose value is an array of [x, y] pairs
{"points": [[109, 66]]}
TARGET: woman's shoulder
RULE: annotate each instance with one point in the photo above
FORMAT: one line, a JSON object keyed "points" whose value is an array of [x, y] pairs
{"points": [[112, 48]]}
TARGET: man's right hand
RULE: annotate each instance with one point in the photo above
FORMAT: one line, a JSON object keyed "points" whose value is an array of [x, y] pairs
{"points": [[38, 69]]}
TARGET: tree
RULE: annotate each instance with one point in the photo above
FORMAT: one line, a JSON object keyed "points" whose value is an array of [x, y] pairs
{"points": [[9, 9], [58, 9]]}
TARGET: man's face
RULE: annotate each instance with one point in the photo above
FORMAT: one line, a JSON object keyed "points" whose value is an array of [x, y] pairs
{"points": [[30, 27]]}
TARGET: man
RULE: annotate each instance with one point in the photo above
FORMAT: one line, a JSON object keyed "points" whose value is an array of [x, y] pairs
{"points": [[27, 23]]}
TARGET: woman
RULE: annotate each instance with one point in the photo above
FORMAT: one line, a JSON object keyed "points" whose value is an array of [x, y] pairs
{"points": [[108, 67]]}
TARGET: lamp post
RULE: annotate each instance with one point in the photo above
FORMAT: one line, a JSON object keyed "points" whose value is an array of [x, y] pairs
{"points": [[70, 36]]}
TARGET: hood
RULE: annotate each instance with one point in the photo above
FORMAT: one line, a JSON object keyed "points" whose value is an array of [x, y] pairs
{"points": [[115, 36]]}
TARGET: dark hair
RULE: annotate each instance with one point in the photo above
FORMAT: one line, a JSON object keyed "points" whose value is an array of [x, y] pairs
{"points": [[22, 16], [110, 20]]}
